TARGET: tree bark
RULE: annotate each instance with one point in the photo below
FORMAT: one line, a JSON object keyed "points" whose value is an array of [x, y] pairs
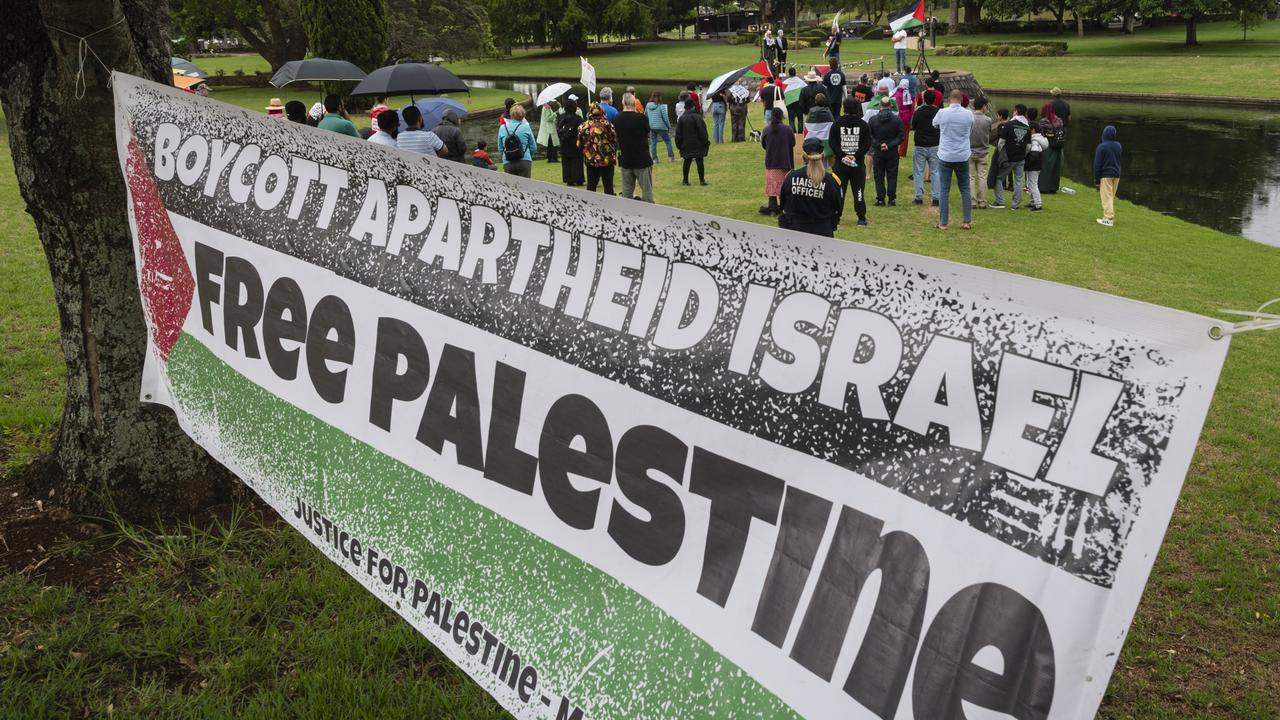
{"points": [[112, 450], [953, 19], [1079, 25], [1191, 31]]}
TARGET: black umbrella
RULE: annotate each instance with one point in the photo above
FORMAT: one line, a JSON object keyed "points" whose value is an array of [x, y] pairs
{"points": [[410, 79], [316, 70]]}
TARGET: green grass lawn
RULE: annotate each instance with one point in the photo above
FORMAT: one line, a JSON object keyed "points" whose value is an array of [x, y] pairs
{"points": [[253, 622], [1153, 61]]}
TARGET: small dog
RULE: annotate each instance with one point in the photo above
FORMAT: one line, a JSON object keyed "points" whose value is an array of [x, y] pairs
{"points": [[754, 136]]}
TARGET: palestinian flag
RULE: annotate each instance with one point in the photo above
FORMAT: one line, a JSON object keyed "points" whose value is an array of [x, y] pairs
{"points": [[908, 17], [759, 70]]}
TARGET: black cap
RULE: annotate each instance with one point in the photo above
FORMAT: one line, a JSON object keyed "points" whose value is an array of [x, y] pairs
{"points": [[813, 145]]}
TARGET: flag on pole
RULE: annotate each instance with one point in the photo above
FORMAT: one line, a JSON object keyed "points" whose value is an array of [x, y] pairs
{"points": [[910, 16], [589, 75], [760, 69], [835, 23]]}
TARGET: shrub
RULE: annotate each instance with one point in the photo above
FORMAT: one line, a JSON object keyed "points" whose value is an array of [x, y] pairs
{"points": [[1005, 49]]}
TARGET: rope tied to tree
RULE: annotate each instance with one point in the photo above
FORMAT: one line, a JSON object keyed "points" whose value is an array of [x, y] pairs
{"points": [[83, 51]]}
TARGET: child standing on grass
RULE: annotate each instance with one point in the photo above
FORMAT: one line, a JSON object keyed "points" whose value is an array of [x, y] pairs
{"points": [[1106, 174], [1035, 158]]}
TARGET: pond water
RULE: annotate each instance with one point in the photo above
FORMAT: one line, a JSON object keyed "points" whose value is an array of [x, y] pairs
{"points": [[1218, 167]]}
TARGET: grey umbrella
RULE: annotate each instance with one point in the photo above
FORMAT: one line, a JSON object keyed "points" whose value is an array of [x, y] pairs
{"points": [[316, 70], [187, 67], [410, 79]]}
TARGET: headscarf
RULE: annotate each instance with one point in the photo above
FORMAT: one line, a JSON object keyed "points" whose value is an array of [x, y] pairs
{"points": [[904, 88], [885, 86], [596, 111]]}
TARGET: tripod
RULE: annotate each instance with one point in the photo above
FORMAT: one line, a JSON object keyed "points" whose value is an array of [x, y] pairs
{"points": [[922, 63]]}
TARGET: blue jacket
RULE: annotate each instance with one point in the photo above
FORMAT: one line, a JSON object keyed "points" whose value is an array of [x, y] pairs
{"points": [[523, 131], [658, 119], [1106, 160]]}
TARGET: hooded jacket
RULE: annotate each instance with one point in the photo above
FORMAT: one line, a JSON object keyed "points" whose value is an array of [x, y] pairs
{"points": [[691, 135], [886, 128], [1016, 136], [451, 135], [659, 121], [1106, 159], [849, 136]]}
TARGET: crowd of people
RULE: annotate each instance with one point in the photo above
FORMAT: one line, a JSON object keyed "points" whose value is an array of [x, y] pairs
{"points": [[847, 130]]}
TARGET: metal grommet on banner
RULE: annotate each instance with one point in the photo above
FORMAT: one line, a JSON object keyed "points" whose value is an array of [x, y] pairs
{"points": [[1258, 320]]}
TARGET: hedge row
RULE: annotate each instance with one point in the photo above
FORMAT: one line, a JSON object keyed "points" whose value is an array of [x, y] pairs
{"points": [[1005, 49]]}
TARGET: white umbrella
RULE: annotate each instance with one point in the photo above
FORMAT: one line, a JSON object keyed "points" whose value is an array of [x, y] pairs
{"points": [[553, 91]]}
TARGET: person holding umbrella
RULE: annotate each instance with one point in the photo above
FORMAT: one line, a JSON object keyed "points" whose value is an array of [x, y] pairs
{"points": [[547, 136]]}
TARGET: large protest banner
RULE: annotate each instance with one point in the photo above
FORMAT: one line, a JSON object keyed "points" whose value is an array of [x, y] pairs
{"points": [[620, 460]]}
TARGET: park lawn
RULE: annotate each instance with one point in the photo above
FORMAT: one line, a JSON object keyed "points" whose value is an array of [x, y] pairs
{"points": [[1153, 61], [256, 99], [252, 621]]}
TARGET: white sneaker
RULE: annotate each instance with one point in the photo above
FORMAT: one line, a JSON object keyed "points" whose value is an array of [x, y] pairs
{"points": [[1106, 222]]}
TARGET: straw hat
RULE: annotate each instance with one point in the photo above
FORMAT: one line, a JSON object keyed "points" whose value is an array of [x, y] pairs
{"points": [[276, 105], [812, 76]]}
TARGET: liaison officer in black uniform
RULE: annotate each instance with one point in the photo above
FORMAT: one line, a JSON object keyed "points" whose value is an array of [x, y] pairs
{"points": [[811, 198]]}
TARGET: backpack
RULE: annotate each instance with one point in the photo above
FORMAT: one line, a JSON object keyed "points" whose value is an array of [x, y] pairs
{"points": [[567, 129], [513, 146]]}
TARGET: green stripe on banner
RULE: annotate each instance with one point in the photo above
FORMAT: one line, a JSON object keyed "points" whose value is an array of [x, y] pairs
{"points": [[556, 611]]}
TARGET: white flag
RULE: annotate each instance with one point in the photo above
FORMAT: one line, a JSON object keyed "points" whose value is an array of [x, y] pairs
{"points": [[588, 75]]}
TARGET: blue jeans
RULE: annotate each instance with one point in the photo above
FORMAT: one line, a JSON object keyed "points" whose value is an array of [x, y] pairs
{"points": [[717, 116], [900, 57], [961, 170], [1018, 171], [925, 155], [653, 144]]}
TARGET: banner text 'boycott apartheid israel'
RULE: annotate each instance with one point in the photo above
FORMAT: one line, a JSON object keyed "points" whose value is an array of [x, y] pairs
{"points": [[624, 461]]}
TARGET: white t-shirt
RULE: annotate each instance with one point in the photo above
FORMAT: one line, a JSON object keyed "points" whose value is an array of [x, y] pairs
{"points": [[900, 40], [383, 138]]}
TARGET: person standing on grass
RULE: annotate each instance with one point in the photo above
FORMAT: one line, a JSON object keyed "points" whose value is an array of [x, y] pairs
{"points": [[887, 133], [738, 112], [955, 128], [516, 144], [810, 197], [808, 96], [906, 111], [850, 140], [818, 123], [639, 106], [926, 152], [606, 104], [719, 110], [770, 95], [416, 138], [598, 141], [979, 145], [633, 150], [1036, 149], [449, 132], [779, 142], [768, 48], [691, 138], [571, 170], [1061, 107], [1015, 135], [795, 115], [547, 136], [833, 86], [659, 126], [782, 48], [335, 118], [833, 45], [1053, 129], [1106, 173]]}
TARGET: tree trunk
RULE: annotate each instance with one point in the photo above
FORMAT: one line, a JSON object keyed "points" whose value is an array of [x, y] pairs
{"points": [[1191, 31], [1127, 22], [1079, 25], [112, 450], [953, 20], [972, 12]]}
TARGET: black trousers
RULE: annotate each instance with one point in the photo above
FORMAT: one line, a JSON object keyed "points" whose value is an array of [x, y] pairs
{"points": [[553, 153], [597, 175], [701, 171], [571, 170], [854, 182], [795, 117], [885, 167]]}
